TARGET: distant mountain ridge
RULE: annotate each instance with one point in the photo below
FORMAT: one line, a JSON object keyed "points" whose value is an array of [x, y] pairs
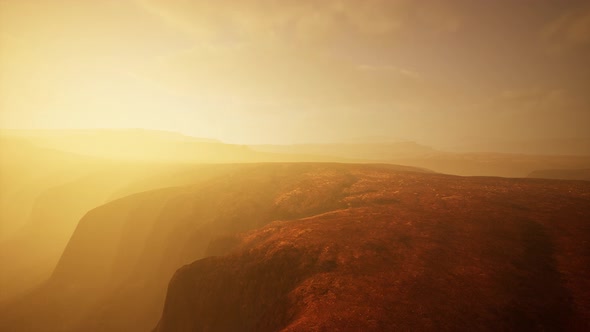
{"points": [[377, 151], [549, 146], [166, 147], [417, 155], [149, 146], [562, 174]]}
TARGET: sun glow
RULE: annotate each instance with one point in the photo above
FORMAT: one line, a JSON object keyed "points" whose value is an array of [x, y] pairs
{"points": [[258, 72]]}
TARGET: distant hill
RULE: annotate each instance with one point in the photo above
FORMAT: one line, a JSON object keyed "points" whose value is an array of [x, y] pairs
{"points": [[151, 146], [136, 145], [166, 147], [562, 174], [547, 146], [298, 247], [417, 155], [26, 170], [359, 151]]}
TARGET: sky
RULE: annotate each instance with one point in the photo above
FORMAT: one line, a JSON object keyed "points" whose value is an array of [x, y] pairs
{"points": [[294, 71]]}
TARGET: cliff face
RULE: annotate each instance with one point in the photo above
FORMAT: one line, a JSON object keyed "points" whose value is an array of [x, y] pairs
{"points": [[44, 193], [114, 271], [408, 252]]}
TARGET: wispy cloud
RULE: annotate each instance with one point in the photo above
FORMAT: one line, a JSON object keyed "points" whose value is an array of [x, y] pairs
{"points": [[568, 32], [302, 21]]}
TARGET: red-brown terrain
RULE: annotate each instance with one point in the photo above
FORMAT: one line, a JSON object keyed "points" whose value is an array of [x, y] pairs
{"points": [[324, 247], [115, 269], [410, 252], [294, 165]]}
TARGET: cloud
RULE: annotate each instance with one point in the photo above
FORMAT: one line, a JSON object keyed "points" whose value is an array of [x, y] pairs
{"points": [[570, 31], [390, 69], [579, 30], [535, 101], [296, 52], [440, 17], [410, 61], [291, 78], [302, 21]]}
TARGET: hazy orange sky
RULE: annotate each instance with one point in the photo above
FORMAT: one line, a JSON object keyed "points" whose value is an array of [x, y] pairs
{"points": [[270, 71]]}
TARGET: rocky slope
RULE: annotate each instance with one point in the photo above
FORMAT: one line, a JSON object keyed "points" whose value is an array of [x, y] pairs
{"points": [[301, 247], [408, 252]]}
